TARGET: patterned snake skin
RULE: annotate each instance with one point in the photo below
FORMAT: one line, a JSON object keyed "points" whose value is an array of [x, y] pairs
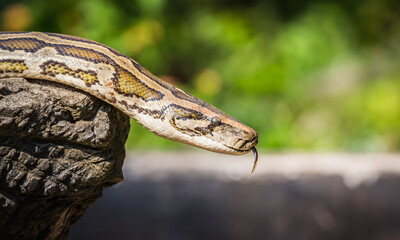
{"points": [[111, 76]]}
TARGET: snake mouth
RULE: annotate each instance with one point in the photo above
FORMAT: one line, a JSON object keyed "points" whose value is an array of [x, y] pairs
{"points": [[245, 147], [253, 142]]}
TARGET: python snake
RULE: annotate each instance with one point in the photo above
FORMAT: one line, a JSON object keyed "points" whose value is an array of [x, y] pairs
{"points": [[117, 79]]}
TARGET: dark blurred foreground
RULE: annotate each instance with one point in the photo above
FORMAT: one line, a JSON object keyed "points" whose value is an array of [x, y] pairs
{"points": [[161, 203]]}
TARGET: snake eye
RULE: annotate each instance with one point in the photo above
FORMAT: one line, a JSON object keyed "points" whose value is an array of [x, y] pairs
{"points": [[215, 121]]}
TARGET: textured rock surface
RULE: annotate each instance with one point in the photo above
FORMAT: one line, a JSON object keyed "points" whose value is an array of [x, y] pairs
{"points": [[59, 148]]}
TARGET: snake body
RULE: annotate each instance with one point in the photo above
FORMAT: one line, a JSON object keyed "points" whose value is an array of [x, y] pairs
{"points": [[117, 79]]}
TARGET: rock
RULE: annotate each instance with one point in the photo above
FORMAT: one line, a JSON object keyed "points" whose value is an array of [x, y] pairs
{"points": [[59, 147]]}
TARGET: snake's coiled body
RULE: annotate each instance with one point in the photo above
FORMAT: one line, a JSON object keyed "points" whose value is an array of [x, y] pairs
{"points": [[111, 76]]}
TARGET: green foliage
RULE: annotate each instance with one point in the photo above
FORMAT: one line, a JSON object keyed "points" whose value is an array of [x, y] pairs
{"points": [[319, 76]]}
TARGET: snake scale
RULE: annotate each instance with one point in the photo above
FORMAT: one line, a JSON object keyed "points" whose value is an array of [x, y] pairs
{"points": [[117, 79]]}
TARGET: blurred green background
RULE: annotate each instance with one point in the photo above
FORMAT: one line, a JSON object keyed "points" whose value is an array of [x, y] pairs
{"points": [[307, 75]]}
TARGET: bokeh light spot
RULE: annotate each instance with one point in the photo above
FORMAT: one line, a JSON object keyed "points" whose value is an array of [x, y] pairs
{"points": [[142, 34], [16, 17], [208, 82]]}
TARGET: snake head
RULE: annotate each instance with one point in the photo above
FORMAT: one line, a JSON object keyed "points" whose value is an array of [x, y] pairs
{"points": [[205, 126]]}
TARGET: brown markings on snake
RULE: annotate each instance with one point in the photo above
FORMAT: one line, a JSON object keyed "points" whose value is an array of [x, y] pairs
{"points": [[182, 113], [52, 68], [83, 40], [128, 84], [125, 82], [124, 103], [84, 53], [153, 113], [25, 44], [68, 37], [112, 99], [12, 66]]}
